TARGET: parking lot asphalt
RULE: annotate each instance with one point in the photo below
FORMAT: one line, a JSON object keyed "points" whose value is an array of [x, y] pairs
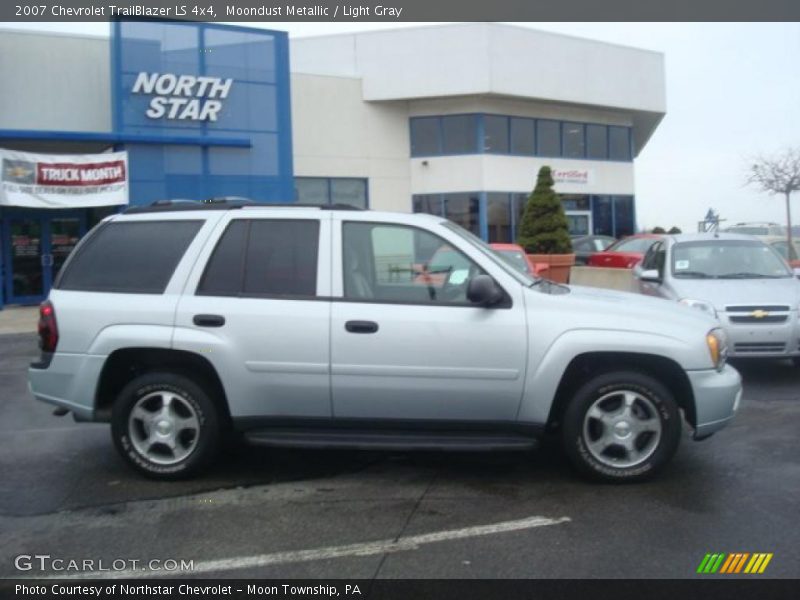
{"points": [[290, 514]]}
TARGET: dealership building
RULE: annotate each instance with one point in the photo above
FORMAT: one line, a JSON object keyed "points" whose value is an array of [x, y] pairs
{"points": [[453, 120]]}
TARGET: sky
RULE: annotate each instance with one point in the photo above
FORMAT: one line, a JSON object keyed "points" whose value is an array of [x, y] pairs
{"points": [[733, 94]]}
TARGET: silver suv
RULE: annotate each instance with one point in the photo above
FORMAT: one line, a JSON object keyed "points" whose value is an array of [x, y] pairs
{"points": [[331, 328]]}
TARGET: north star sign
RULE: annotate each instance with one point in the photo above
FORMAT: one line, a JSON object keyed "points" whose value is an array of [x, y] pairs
{"points": [[182, 97]]}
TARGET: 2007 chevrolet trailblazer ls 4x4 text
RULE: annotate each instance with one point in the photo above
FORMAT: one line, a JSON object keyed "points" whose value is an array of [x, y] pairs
{"points": [[324, 327]]}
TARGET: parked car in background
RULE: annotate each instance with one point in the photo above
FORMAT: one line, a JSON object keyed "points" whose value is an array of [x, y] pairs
{"points": [[757, 228], [625, 253], [586, 245], [781, 244], [738, 279], [516, 255]]}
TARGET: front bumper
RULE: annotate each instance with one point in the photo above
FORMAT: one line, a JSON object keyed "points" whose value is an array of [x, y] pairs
{"points": [[770, 340], [717, 395]]}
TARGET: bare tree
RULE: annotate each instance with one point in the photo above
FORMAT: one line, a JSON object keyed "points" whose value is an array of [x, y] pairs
{"points": [[779, 174]]}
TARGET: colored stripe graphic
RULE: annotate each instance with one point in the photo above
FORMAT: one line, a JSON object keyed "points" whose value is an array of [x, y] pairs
{"points": [[703, 563], [740, 564], [724, 563], [728, 564]]}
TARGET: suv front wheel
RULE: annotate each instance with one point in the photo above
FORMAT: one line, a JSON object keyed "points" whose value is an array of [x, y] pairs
{"points": [[621, 426], [165, 425]]}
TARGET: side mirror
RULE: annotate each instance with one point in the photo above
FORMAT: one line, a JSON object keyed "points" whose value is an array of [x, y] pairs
{"points": [[650, 275], [483, 290]]}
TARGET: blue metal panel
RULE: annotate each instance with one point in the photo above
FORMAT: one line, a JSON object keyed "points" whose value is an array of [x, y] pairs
{"points": [[251, 152], [117, 139]]}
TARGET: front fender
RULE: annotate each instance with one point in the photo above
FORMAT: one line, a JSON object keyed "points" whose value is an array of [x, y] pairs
{"points": [[549, 365]]}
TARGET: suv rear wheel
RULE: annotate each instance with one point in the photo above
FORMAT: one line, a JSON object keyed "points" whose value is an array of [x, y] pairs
{"points": [[621, 426], [165, 425]]}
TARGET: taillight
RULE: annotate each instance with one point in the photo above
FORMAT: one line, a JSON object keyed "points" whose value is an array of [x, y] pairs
{"points": [[48, 329]]}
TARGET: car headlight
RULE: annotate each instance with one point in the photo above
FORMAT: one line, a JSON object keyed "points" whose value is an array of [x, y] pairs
{"points": [[699, 304], [717, 342]]}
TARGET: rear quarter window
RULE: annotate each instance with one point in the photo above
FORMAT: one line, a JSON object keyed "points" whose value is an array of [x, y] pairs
{"points": [[133, 257]]}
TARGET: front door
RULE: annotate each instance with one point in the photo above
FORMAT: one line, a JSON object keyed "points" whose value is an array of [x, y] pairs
{"points": [[35, 248], [406, 344]]}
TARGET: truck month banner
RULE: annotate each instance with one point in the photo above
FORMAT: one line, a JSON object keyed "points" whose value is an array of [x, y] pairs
{"points": [[63, 180]]}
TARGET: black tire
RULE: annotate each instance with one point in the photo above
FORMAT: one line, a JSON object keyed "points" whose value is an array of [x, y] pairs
{"points": [[187, 396], [651, 400]]}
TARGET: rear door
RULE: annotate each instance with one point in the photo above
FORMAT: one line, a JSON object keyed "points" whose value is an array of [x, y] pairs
{"points": [[406, 343], [256, 305]]}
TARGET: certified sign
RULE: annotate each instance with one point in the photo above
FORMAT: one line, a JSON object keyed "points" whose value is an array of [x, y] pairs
{"points": [[575, 176], [182, 97]]}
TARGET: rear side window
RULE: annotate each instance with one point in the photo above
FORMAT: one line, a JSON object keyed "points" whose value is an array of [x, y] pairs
{"points": [[261, 257], [129, 257]]}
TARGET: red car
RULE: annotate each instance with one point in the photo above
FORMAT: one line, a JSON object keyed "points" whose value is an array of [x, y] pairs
{"points": [[625, 253], [516, 256]]}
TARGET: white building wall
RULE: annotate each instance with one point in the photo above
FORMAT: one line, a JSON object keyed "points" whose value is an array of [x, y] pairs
{"points": [[336, 134], [488, 58], [57, 82], [491, 173]]}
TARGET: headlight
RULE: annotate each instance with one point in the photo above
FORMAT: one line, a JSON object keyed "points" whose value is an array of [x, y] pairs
{"points": [[699, 304], [717, 342]]}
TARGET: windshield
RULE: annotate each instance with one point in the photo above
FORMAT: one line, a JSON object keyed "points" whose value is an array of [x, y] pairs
{"points": [[727, 259], [782, 248], [506, 264], [641, 245], [515, 258]]}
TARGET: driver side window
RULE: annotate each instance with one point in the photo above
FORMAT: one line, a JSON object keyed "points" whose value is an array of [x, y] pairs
{"points": [[397, 263], [654, 259]]}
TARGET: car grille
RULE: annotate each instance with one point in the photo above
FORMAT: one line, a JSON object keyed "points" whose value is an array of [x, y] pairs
{"points": [[758, 314], [758, 347], [751, 308], [767, 319]]}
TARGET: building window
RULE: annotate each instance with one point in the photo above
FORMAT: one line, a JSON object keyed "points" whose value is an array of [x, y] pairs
{"points": [[426, 136], [498, 217], [573, 140], [460, 134], [548, 138], [464, 210], [624, 220], [495, 134], [602, 217], [596, 141], [619, 143], [431, 204], [331, 190], [523, 138]]}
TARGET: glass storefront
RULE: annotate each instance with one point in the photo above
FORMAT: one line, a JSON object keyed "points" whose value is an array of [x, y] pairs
{"points": [[35, 245], [495, 216]]}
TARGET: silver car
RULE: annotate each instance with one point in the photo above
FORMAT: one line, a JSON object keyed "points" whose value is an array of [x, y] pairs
{"points": [[738, 279], [330, 328]]}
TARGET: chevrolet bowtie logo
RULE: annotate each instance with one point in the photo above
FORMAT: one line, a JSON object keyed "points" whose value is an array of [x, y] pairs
{"points": [[17, 172], [759, 314]]}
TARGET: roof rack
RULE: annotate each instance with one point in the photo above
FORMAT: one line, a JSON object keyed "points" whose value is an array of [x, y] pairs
{"points": [[224, 203]]}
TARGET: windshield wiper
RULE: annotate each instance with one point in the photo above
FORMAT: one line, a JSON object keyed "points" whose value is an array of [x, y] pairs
{"points": [[746, 275], [695, 274]]}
